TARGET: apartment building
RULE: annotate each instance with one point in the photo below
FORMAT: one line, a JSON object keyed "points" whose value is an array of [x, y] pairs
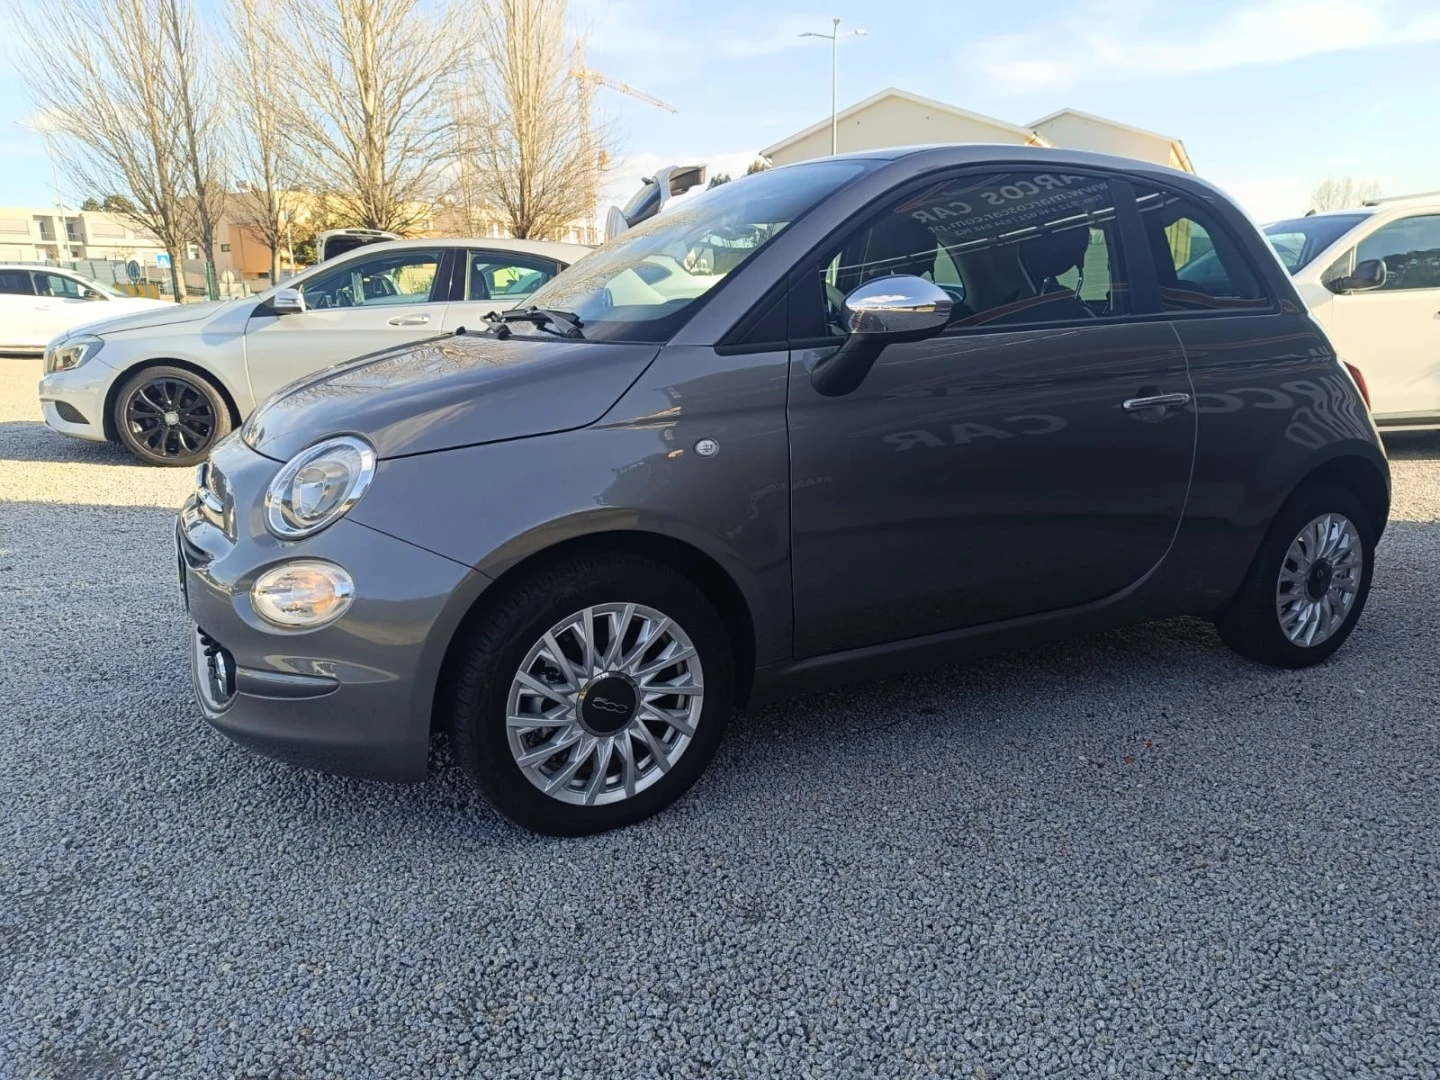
{"points": [[50, 234]]}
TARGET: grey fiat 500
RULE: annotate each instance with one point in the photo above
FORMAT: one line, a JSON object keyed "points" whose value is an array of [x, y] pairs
{"points": [[828, 421]]}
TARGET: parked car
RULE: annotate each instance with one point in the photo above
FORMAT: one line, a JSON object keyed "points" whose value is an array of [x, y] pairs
{"points": [[168, 384], [952, 399], [1372, 279], [38, 303]]}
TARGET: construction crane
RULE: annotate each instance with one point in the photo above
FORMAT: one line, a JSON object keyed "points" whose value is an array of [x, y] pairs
{"points": [[585, 82]]}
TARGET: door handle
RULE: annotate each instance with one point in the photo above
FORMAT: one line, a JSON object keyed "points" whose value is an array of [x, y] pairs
{"points": [[1157, 401], [409, 320]]}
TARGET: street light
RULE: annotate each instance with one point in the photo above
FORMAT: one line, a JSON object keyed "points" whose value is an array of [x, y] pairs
{"points": [[834, 37]]}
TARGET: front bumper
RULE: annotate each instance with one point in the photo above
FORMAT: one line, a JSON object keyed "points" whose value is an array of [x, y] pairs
{"points": [[74, 401], [354, 697]]}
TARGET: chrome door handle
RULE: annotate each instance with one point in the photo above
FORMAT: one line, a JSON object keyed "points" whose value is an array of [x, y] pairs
{"points": [[409, 320], [1158, 401]]}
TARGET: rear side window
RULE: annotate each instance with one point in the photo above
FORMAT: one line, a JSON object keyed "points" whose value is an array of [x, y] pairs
{"points": [[1200, 267], [1411, 250], [15, 282], [504, 275], [1011, 248]]}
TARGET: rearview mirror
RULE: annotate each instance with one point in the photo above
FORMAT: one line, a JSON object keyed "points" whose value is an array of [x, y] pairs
{"points": [[882, 312], [1367, 275], [90, 294], [287, 302]]}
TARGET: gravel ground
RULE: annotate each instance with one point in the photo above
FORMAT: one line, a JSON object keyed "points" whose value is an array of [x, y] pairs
{"points": [[1134, 855]]}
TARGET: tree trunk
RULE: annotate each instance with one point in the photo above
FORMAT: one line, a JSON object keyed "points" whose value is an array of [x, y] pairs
{"points": [[175, 278]]}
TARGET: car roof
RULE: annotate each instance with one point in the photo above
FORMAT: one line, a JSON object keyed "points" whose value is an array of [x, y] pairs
{"points": [[552, 249]]}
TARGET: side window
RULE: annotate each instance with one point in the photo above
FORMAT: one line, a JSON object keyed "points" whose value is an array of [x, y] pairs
{"points": [[376, 280], [1200, 268], [59, 285], [1411, 250], [1011, 248], [504, 275], [15, 283]]}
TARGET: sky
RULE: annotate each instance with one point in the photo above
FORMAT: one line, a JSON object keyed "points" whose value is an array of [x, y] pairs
{"points": [[1269, 96]]}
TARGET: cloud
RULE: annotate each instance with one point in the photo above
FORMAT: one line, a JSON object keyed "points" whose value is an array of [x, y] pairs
{"points": [[1102, 43]]}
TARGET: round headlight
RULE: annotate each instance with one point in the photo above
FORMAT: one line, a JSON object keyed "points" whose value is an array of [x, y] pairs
{"points": [[303, 594], [319, 485]]}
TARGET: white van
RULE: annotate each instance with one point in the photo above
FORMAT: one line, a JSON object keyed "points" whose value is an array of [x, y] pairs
{"points": [[1372, 278]]}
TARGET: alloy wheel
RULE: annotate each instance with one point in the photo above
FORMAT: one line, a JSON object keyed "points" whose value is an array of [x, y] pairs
{"points": [[604, 704], [170, 417], [1319, 580]]}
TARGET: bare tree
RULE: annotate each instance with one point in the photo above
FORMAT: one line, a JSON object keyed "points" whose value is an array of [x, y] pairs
{"points": [[266, 202], [195, 97], [1333, 194], [528, 138], [102, 98], [361, 84]]}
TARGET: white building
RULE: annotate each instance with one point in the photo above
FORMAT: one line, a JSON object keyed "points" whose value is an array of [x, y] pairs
{"points": [[46, 234], [896, 117]]}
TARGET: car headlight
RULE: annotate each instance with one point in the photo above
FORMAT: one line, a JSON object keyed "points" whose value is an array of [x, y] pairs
{"points": [[318, 486], [70, 353], [302, 594]]}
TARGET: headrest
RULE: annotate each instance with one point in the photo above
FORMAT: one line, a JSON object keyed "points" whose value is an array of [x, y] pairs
{"points": [[1051, 254], [901, 245]]}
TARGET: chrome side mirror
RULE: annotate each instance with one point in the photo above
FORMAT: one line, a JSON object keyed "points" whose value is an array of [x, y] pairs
{"points": [[287, 302], [899, 308], [882, 312]]}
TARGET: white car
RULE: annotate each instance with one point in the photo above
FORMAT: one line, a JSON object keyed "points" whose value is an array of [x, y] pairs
{"points": [[1371, 277], [38, 303], [168, 384]]}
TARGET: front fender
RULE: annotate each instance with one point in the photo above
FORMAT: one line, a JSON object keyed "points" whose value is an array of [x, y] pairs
{"points": [[496, 505]]}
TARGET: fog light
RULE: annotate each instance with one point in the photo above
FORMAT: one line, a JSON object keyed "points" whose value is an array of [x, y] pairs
{"points": [[302, 594]]}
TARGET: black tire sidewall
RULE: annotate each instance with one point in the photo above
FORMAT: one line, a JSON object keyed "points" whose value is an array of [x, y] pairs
{"points": [[1251, 625], [199, 382], [485, 748]]}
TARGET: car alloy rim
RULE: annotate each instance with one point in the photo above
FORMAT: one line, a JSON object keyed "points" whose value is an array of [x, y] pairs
{"points": [[170, 417], [604, 704], [1319, 580]]}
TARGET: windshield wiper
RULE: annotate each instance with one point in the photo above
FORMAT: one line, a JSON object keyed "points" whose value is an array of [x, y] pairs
{"points": [[565, 323]]}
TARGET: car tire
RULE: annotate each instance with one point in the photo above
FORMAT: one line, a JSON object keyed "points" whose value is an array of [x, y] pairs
{"points": [[1304, 592], [170, 416], [640, 772]]}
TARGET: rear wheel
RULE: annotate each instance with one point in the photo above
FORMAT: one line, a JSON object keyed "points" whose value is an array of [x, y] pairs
{"points": [[592, 694], [170, 416], [1309, 583]]}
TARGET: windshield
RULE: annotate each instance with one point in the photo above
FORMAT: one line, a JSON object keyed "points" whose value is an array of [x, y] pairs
{"points": [[1299, 240], [643, 285]]}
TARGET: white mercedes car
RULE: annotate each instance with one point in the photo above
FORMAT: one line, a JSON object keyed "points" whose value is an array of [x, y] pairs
{"points": [[37, 303], [167, 384]]}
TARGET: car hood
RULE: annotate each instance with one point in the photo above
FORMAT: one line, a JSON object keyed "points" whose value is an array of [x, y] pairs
{"points": [[450, 391], [161, 313]]}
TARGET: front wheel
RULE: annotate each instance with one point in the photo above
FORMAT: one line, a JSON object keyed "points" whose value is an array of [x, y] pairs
{"points": [[591, 694], [170, 416], [1309, 583]]}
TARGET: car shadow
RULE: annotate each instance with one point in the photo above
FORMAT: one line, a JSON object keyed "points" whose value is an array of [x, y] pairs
{"points": [[31, 440], [1413, 445]]}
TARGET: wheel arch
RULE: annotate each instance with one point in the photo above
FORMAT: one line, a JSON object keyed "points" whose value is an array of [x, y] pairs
{"points": [[1362, 477], [124, 376], [698, 566]]}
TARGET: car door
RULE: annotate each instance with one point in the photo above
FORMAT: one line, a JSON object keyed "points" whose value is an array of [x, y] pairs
{"points": [[61, 302], [1393, 333], [376, 299], [494, 280], [17, 310], [1009, 466]]}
